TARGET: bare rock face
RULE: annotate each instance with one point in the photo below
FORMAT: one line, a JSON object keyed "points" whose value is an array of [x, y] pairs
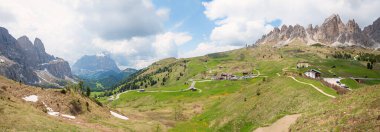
{"points": [[373, 31], [332, 32], [9, 46], [284, 35], [21, 59], [40, 49], [58, 68], [92, 64]]}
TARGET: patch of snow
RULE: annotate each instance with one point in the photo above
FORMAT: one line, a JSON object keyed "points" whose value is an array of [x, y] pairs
{"points": [[31, 98], [48, 108], [119, 116], [68, 116], [47, 77], [51, 112]]}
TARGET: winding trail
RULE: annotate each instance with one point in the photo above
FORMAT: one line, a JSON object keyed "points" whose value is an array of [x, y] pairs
{"points": [[278, 74], [118, 95], [258, 72], [281, 125], [318, 89], [112, 98]]}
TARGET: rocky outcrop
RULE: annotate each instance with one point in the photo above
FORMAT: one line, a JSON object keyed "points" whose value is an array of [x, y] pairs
{"points": [[58, 68], [332, 32], [21, 60]]}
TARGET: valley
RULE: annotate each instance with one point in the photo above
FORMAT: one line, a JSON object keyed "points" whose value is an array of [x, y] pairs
{"points": [[318, 78]]}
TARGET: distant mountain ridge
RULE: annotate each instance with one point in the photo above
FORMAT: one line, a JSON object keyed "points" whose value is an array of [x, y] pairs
{"points": [[333, 32], [100, 71], [90, 64], [22, 60]]}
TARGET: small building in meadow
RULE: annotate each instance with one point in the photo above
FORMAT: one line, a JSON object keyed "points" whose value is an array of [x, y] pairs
{"points": [[313, 73], [303, 64]]}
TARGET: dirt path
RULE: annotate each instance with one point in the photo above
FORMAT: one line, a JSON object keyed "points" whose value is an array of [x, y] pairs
{"points": [[118, 95], [318, 89], [194, 82], [258, 72], [281, 125], [278, 74]]}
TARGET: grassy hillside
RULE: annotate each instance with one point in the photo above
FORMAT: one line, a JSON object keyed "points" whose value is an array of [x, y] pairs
{"points": [[278, 89], [355, 111], [241, 105], [19, 115]]}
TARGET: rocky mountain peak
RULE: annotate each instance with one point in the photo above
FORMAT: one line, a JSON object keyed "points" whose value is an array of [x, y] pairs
{"points": [[373, 31], [5, 37], [352, 26], [332, 32], [25, 42], [334, 18], [29, 62], [39, 45], [89, 64]]}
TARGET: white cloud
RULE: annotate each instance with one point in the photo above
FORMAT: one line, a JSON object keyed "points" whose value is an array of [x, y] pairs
{"points": [[206, 48], [133, 30], [121, 19], [71, 29], [244, 21], [54, 22], [142, 51]]}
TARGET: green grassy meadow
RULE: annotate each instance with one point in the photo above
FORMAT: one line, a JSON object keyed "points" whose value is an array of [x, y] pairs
{"points": [[241, 105]]}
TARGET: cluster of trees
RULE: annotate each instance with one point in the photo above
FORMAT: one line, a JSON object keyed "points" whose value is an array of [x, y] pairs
{"points": [[217, 55], [342, 55], [370, 65], [77, 88], [106, 93], [372, 58]]}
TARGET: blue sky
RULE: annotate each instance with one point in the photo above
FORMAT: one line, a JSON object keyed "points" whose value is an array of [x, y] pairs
{"points": [[139, 32], [188, 16]]}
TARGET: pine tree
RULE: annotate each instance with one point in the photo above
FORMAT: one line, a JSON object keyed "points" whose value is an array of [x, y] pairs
{"points": [[368, 65], [80, 86], [88, 91]]}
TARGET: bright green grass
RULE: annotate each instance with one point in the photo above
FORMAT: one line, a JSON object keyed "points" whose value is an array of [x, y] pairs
{"points": [[247, 104], [95, 93], [319, 85], [352, 84], [246, 110], [349, 68], [355, 111], [208, 89], [372, 82]]}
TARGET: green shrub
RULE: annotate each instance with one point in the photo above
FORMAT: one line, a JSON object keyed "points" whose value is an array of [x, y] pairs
{"points": [[63, 91]]}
